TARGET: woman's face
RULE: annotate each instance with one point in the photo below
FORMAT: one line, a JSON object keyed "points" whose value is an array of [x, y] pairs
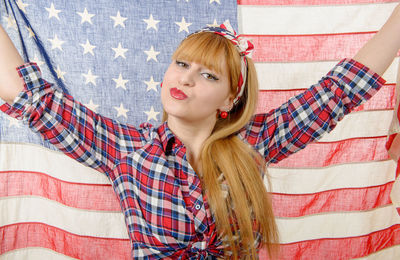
{"points": [[194, 93]]}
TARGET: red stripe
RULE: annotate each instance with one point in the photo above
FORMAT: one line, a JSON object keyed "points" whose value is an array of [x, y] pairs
{"points": [[341, 248], [285, 205], [77, 195], [298, 48], [25, 235], [385, 99], [349, 199], [324, 154], [310, 2]]}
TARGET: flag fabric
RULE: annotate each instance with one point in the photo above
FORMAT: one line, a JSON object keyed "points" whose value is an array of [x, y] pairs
{"points": [[393, 145], [111, 56], [331, 200]]}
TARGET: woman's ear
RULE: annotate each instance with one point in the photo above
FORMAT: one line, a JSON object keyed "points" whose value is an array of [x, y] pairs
{"points": [[228, 104]]}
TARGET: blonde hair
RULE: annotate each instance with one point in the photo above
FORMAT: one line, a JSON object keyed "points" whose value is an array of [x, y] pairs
{"points": [[243, 206]]}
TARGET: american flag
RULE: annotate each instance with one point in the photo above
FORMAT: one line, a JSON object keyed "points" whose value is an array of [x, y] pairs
{"points": [[331, 199]]}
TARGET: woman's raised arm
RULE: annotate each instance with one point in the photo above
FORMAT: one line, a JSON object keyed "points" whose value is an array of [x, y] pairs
{"points": [[379, 52], [10, 83], [94, 140]]}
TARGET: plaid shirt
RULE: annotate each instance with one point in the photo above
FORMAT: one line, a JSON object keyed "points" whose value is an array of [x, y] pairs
{"points": [[160, 194]]}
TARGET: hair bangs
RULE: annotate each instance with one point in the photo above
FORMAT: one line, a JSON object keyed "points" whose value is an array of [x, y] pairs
{"points": [[208, 49]]}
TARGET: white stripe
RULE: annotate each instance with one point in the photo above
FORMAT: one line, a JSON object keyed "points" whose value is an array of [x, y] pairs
{"points": [[31, 157], [312, 180], [34, 253], [392, 252], [336, 225], [312, 19], [361, 124], [81, 222], [303, 75]]}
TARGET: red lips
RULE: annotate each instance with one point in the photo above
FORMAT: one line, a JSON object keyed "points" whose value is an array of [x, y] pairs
{"points": [[177, 94]]}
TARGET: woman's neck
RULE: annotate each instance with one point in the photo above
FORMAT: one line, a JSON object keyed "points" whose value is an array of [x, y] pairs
{"points": [[193, 135]]}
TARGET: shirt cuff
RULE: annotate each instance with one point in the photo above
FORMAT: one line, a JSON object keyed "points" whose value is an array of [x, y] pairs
{"points": [[32, 77], [355, 73], [31, 74]]}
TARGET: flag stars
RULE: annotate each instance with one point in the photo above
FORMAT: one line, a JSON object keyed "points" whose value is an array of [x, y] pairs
{"points": [[56, 43], [92, 106], [217, 1], [152, 54], [120, 82], [151, 84], [121, 111], [53, 12], [119, 20], [119, 51], [90, 78], [10, 22], [37, 61], [22, 5], [214, 24], [151, 23], [60, 73], [86, 16], [151, 114], [88, 48], [30, 31], [183, 25]]}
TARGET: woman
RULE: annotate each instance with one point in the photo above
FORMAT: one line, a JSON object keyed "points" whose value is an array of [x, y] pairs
{"points": [[192, 187]]}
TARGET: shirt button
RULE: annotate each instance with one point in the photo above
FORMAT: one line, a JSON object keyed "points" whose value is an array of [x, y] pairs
{"points": [[197, 207]]}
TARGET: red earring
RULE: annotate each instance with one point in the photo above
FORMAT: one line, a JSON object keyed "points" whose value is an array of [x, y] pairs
{"points": [[223, 114], [161, 85]]}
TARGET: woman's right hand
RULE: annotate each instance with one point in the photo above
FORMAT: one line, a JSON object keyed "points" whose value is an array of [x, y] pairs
{"points": [[10, 82]]}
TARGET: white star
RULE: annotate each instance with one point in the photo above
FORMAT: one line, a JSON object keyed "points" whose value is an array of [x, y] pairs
{"points": [[151, 84], [151, 114], [92, 106], [10, 22], [214, 24], [217, 1], [121, 111], [185, 0], [183, 25], [86, 17], [120, 82], [151, 23], [60, 73], [90, 78], [118, 20], [119, 51], [151, 54], [31, 33], [56, 43], [88, 48], [37, 61], [13, 122], [22, 5], [53, 12]]}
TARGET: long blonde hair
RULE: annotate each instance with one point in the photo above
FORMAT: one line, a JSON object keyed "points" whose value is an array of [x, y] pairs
{"points": [[231, 170]]}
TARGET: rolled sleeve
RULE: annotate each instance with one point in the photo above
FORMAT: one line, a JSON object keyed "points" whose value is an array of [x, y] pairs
{"points": [[34, 86], [358, 82], [306, 117]]}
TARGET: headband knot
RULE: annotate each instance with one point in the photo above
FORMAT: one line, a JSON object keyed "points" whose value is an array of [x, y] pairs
{"points": [[244, 46]]}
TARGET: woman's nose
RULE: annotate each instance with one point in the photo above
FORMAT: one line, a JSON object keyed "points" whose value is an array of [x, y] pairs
{"points": [[187, 78]]}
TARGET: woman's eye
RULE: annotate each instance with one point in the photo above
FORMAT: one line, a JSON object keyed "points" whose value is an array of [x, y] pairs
{"points": [[181, 64], [209, 76]]}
